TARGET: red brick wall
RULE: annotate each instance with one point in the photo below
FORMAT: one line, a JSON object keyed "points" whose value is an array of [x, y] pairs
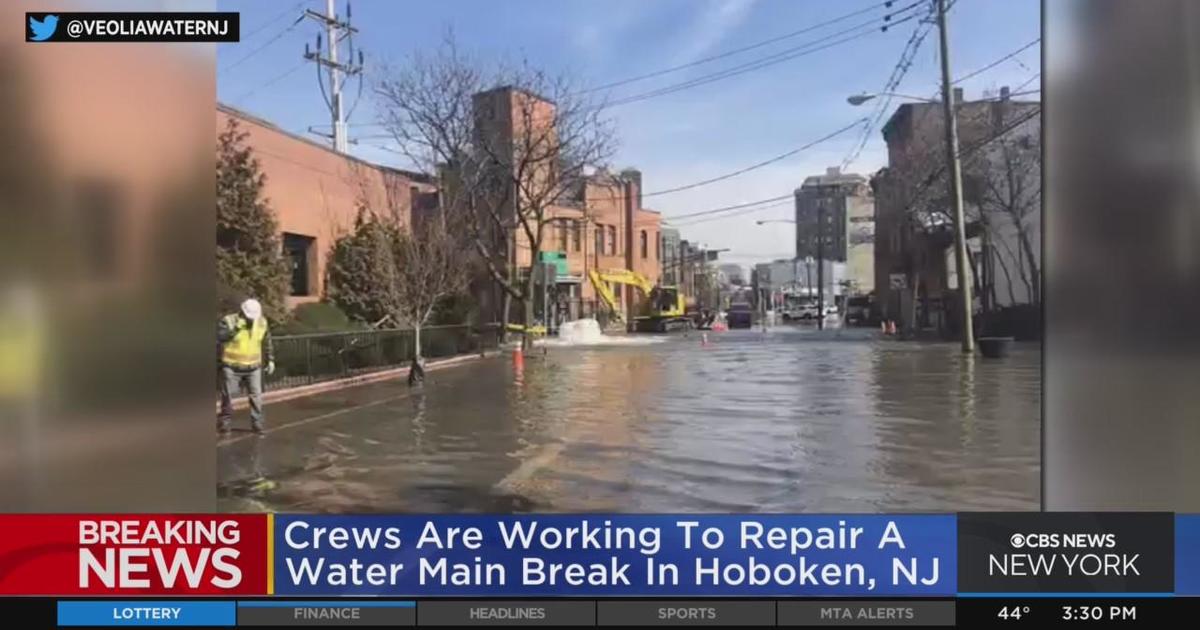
{"points": [[315, 191]]}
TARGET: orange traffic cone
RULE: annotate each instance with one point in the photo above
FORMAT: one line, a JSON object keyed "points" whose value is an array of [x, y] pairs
{"points": [[518, 366]]}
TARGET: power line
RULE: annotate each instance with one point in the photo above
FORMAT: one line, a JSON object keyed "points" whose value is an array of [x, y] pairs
{"points": [[727, 208], [753, 207], [689, 223], [752, 167], [786, 55], [269, 83], [735, 51], [887, 100], [259, 49], [1028, 81], [728, 175], [899, 71], [998, 61], [971, 150], [856, 32], [273, 20]]}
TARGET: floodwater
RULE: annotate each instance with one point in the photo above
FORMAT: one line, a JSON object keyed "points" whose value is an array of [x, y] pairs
{"points": [[790, 419]]}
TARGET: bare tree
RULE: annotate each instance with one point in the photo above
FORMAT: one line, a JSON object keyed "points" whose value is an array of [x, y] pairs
{"points": [[1009, 195], [399, 262], [917, 185], [509, 146], [429, 269]]}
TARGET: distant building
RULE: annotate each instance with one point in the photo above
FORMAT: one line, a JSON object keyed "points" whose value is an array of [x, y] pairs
{"points": [[839, 209], [799, 278], [698, 278], [732, 274], [671, 256]]}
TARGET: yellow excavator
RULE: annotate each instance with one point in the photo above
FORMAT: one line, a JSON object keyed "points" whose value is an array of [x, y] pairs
{"points": [[664, 309]]}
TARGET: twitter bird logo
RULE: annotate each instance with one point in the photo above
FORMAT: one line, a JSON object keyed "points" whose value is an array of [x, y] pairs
{"points": [[44, 29]]}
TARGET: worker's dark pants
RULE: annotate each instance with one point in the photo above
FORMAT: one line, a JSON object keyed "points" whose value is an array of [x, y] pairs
{"points": [[231, 382]]}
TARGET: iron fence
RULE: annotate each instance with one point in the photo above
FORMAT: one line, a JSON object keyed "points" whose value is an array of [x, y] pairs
{"points": [[312, 358]]}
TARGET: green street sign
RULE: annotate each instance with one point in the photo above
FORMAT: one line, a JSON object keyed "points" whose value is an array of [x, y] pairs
{"points": [[558, 260]]}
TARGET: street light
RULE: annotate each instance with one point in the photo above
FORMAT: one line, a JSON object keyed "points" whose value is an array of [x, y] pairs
{"points": [[859, 99], [795, 278]]}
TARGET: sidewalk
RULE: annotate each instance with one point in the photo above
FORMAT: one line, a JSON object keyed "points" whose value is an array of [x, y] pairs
{"points": [[280, 395]]}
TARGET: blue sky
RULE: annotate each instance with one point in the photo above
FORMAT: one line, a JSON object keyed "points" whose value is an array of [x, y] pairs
{"points": [[676, 139]]}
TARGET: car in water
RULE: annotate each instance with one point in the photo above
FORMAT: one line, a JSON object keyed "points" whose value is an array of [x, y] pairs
{"points": [[740, 315]]}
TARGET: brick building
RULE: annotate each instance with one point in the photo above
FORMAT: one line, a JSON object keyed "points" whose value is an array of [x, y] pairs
{"points": [[914, 268], [316, 193], [598, 224]]}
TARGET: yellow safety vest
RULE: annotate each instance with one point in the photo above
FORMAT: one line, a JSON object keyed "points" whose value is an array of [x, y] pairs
{"points": [[245, 349], [20, 359]]}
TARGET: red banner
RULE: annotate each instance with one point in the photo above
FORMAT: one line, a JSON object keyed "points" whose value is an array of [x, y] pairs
{"points": [[82, 554]]}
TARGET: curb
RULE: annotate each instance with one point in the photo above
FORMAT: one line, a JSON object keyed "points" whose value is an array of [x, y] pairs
{"points": [[280, 395]]}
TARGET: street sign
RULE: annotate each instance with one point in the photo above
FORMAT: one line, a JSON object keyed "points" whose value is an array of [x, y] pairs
{"points": [[557, 260], [897, 281]]}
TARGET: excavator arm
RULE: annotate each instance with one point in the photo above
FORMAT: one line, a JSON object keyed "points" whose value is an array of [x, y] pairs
{"points": [[600, 279]]}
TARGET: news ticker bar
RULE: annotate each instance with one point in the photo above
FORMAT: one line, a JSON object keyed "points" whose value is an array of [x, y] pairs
{"points": [[965, 612], [599, 556], [171, 27]]}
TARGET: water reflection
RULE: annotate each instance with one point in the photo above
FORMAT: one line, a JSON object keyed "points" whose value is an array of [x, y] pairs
{"points": [[786, 420]]}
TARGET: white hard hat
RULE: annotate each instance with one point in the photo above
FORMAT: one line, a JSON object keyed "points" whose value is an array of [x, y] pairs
{"points": [[252, 309]]}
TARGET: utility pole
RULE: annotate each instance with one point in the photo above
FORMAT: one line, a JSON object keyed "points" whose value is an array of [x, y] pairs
{"points": [[820, 258], [335, 31], [956, 197]]}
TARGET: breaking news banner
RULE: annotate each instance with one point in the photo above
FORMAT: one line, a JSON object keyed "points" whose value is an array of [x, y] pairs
{"points": [[970, 570], [479, 556], [610, 555], [95, 554], [132, 27]]}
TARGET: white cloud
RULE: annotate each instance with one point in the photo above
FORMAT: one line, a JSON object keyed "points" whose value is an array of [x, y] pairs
{"points": [[712, 25], [599, 30]]}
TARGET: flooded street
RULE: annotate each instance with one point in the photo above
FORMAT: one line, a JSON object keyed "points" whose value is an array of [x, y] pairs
{"points": [[787, 420]]}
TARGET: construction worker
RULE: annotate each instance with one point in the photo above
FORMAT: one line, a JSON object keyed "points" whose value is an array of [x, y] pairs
{"points": [[23, 348], [245, 349]]}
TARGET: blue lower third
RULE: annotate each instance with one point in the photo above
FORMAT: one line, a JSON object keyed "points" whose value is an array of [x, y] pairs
{"points": [[147, 613]]}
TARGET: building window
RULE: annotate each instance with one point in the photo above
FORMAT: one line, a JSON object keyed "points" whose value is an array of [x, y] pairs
{"points": [[562, 236], [658, 245], [612, 240], [576, 236], [599, 239], [645, 245], [299, 250]]}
